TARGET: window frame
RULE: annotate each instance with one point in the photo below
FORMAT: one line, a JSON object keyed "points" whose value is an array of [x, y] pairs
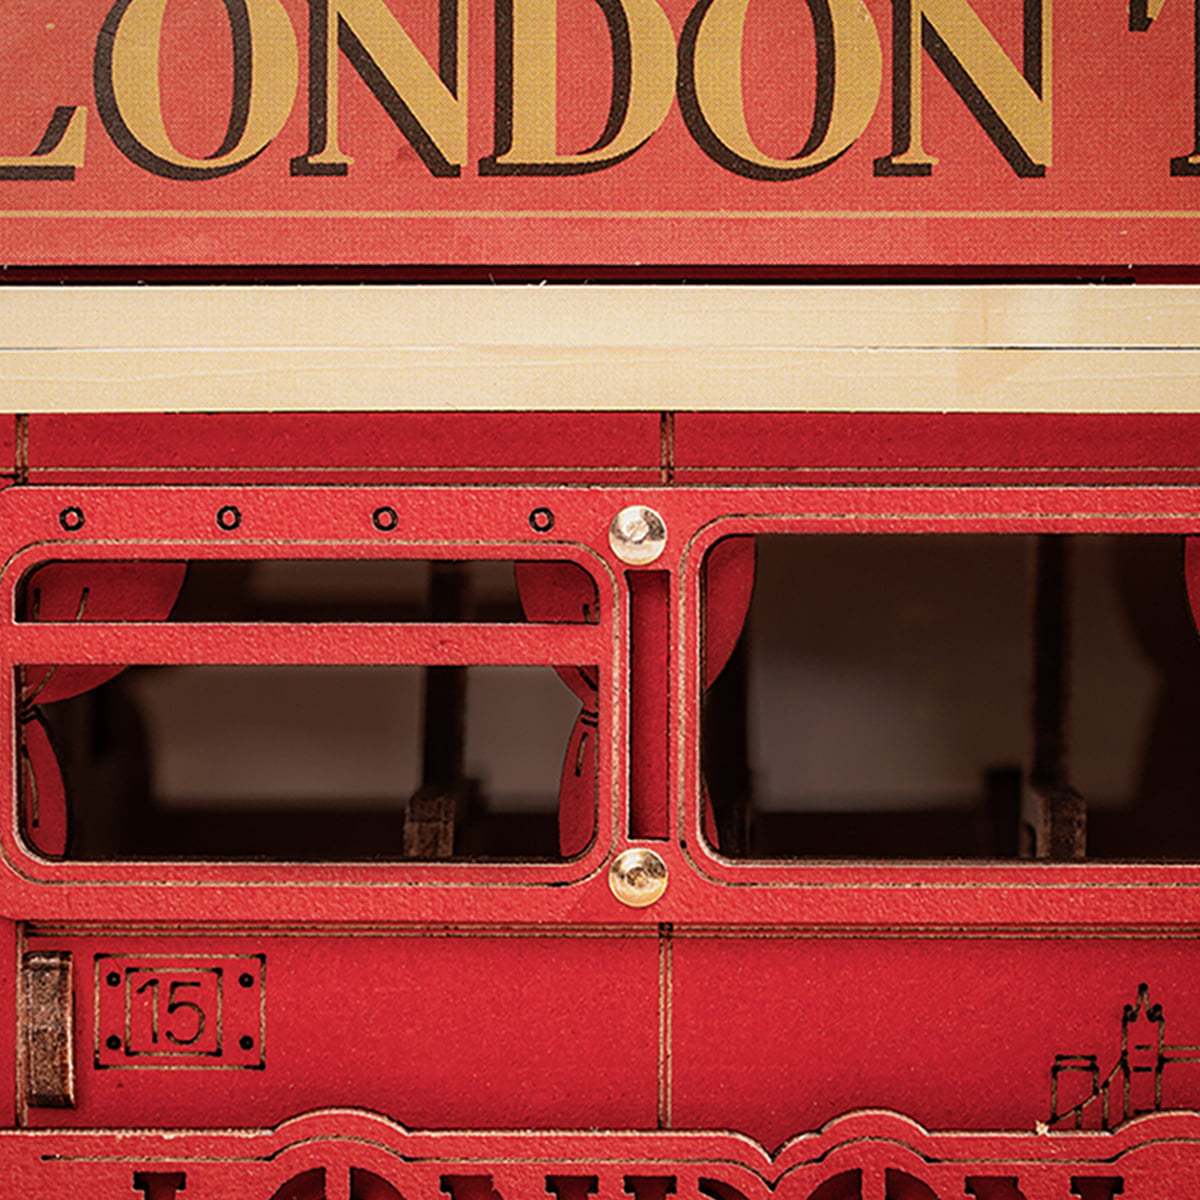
{"points": [[968, 887], [177, 524], [493, 520]]}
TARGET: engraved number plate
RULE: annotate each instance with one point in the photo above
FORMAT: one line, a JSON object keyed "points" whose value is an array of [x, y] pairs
{"points": [[167, 1011]]}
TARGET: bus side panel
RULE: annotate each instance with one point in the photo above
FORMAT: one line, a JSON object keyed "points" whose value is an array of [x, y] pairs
{"points": [[433, 1028], [776, 1035]]}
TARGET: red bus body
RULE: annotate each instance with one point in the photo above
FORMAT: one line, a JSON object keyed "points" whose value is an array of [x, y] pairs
{"points": [[813, 1029]]}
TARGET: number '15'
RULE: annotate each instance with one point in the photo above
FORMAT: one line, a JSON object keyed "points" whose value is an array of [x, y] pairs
{"points": [[174, 1005]]}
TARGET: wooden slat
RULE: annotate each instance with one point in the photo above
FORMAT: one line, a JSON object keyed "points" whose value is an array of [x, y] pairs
{"points": [[969, 349]]}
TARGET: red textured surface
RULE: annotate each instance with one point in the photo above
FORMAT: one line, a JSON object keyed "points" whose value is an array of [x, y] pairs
{"points": [[344, 447], [1123, 109], [649, 703], [64, 592], [795, 449], [435, 1030], [758, 999], [554, 592], [354, 1156], [44, 822], [463, 1029], [493, 522], [800, 449], [955, 1033]]}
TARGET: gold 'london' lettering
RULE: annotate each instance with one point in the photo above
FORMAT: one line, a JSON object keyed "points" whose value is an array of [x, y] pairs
{"points": [[427, 101]]}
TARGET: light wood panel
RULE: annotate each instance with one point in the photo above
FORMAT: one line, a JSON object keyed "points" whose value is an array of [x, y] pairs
{"points": [[995, 348]]}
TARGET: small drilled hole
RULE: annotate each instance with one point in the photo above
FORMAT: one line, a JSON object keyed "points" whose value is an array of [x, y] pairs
{"points": [[229, 518], [71, 519], [541, 520], [385, 519]]}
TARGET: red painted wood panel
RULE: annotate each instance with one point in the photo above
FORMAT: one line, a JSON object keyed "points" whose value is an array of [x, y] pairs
{"points": [[678, 190], [776, 1034], [345, 447], [763, 999], [439, 1028], [936, 448], [868, 1156]]}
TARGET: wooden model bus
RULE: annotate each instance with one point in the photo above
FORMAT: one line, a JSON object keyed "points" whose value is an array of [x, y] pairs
{"points": [[621, 742]]}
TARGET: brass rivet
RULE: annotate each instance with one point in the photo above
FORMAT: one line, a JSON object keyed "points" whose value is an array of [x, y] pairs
{"points": [[638, 877], [637, 535]]}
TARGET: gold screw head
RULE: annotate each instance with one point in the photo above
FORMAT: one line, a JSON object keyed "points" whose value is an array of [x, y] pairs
{"points": [[638, 877], [638, 535]]}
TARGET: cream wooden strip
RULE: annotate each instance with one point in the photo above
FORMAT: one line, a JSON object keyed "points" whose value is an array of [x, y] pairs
{"points": [[606, 377], [705, 317]]}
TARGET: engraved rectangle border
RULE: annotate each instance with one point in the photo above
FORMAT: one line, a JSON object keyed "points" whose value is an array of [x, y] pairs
{"points": [[158, 1064], [127, 1002]]}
